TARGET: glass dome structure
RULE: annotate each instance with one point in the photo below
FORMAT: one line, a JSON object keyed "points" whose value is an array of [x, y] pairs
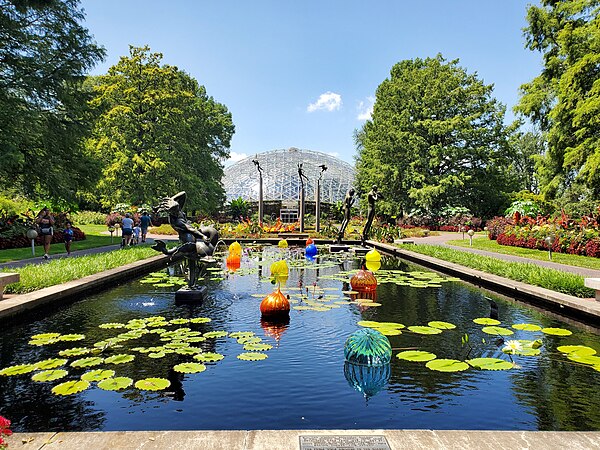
{"points": [[280, 176]]}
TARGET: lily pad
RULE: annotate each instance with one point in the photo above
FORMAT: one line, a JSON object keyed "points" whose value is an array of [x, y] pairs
{"points": [[189, 368], [557, 331], [115, 384], [486, 321], [200, 320], [252, 356], [87, 362], [40, 342], [215, 334], [188, 351], [497, 330], [50, 364], [19, 369], [389, 331], [49, 375], [152, 384], [249, 340], [580, 350], [157, 355], [77, 351], [257, 347], [43, 336], [241, 334], [71, 337], [179, 321], [70, 387], [119, 359], [447, 365], [163, 285], [584, 359], [98, 375], [424, 330], [209, 357], [111, 325], [490, 363], [416, 355], [528, 351], [526, 327], [442, 325]]}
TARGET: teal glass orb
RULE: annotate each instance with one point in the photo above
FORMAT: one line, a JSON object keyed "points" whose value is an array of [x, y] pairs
{"points": [[368, 347]]}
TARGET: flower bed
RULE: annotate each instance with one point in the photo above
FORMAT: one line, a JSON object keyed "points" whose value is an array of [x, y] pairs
{"points": [[21, 241], [575, 237]]}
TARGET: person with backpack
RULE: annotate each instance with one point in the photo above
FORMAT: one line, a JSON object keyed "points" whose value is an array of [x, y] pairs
{"points": [[45, 222]]}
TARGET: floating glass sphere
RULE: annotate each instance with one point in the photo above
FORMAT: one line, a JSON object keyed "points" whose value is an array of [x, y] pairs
{"points": [[233, 262], [368, 347], [275, 305], [282, 244], [373, 266], [309, 241], [311, 250], [373, 256], [235, 248], [363, 281], [279, 269]]}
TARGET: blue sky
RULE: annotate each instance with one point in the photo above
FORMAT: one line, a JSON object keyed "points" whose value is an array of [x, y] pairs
{"points": [[304, 73]]}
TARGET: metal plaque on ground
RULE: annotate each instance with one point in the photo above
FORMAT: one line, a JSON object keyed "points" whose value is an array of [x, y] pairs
{"points": [[343, 442]]}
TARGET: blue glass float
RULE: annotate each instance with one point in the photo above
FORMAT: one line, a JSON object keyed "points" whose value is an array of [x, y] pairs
{"points": [[368, 380], [311, 250], [368, 347]]}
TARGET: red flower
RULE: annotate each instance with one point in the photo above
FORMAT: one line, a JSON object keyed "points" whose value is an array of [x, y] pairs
{"points": [[4, 423]]}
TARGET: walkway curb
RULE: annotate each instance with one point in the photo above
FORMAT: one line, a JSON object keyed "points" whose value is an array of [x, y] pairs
{"points": [[579, 308], [20, 304], [290, 439]]}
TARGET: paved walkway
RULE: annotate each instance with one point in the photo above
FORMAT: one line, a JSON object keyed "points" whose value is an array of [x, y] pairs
{"points": [[444, 237]]}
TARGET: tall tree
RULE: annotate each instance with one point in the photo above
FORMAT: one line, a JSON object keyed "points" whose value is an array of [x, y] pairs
{"points": [[564, 100], [44, 54], [527, 150], [436, 139], [158, 132]]}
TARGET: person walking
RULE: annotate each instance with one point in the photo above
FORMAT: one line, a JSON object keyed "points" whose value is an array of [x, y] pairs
{"points": [[45, 222], [127, 229], [145, 223], [68, 237]]}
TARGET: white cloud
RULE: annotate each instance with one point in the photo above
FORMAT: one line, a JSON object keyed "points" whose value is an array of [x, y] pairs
{"points": [[329, 101], [235, 157], [365, 109]]}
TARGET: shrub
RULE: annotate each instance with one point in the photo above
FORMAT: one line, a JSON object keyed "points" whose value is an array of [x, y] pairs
{"points": [[88, 218]]}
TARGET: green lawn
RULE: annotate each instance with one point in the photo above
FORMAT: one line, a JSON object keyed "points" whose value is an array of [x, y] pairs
{"points": [[555, 280], [542, 255], [94, 239]]}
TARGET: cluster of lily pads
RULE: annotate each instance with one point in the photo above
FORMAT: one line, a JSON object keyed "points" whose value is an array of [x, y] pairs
{"points": [[416, 279], [160, 340], [523, 347]]}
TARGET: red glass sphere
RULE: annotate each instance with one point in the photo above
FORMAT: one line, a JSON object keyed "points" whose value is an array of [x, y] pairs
{"points": [[363, 281], [275, 305]]}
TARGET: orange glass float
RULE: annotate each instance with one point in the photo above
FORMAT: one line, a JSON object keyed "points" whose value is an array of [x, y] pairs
{"points": [[363, 281], [309, 241], [233, 262], [275, 305]]}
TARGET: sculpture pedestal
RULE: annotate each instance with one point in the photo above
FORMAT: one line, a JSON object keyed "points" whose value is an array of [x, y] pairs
{"points": [[190, 295], [335, 248]]}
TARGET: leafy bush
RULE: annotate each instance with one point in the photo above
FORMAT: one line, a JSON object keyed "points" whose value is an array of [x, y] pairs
{"points": [[238, 208], [164, 229], [88, 218]]}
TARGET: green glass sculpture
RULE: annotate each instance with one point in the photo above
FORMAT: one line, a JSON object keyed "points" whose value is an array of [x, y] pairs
{"points": [[368, 347]]}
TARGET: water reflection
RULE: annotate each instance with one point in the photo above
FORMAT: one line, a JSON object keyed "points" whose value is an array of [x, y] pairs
{"points": [[368, 380]]}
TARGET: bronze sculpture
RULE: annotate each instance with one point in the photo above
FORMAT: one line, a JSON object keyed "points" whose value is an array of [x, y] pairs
{"points": [[195, 243], [372, 197], [348, 202]]}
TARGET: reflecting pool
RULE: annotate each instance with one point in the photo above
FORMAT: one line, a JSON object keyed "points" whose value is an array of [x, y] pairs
{"points": [[304, 382]]}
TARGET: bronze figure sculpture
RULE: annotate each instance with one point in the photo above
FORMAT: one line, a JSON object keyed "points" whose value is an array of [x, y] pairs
{"points": [[195, 243], [348, 202], [372, 197]]}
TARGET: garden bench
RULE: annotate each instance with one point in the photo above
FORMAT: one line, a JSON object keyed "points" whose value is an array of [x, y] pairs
{"points": [[7, 278], [593, 283]]}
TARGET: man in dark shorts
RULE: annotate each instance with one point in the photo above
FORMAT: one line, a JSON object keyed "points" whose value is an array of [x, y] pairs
{"points": [[145, 222], [127, 225]]}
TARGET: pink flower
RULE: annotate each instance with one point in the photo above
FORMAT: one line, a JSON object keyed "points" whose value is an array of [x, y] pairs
{"points": [[4, 422]]}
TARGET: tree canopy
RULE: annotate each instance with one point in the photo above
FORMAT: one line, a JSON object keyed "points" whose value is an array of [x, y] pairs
{"points": [[436, 139], [44, 54], [157, 133], [564, 100]]}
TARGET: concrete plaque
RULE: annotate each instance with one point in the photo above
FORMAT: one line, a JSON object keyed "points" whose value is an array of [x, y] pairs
{"points": [[343, 442]]}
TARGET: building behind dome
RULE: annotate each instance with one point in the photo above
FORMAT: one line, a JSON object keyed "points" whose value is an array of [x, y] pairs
{"points": [[280, 176]]}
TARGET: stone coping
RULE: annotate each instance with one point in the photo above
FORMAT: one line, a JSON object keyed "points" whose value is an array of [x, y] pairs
{"points": [[290, 439], [19, 304], [587, 309]]}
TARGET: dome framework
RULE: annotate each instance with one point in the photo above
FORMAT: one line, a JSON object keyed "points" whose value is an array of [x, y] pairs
{"points": [[281, 180]]}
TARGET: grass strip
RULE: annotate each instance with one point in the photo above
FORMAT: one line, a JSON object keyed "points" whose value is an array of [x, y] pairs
{"points": [[555, 280], [58, 271], [541, 255]]}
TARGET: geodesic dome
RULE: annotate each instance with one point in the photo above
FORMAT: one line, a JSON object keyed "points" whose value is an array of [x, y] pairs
{"points": [[281, 180]]}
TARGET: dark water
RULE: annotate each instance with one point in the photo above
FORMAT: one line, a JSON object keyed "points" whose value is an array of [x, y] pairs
{"points": [[302, 385]]}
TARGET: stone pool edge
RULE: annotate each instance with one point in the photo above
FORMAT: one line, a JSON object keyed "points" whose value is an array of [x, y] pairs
{"points": [[587, 309], [15, 305], [290, 439]]}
